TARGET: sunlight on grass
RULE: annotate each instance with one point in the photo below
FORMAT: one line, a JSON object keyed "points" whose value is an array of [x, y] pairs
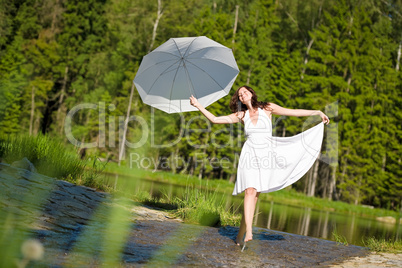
{"points": [[382, 245], [196, 206], [339, 239], [52, 158], [206, 208]]}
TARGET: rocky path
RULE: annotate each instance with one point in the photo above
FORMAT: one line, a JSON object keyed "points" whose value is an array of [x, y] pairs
{"points": [[79, 226]]}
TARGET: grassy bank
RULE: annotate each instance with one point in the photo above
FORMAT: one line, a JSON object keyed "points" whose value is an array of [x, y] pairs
{"points": [[286, 196], [51, 158], [200, 201], [382, 245], [373, 244], [54, 159], [196, 206]]}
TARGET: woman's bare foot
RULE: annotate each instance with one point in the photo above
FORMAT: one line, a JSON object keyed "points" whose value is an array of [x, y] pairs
{"points": [[249, 236]]}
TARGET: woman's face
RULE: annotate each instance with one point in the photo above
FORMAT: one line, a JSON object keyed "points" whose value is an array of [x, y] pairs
{"points": [[244, 95]]}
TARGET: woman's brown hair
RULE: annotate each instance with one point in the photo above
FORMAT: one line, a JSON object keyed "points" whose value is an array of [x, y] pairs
{"points": [[236, 105]]}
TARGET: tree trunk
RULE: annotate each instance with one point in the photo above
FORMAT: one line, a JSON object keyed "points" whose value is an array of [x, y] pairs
{"points": [[358, 191], [332, 185], [326, 183], [313, 181], [122, 145], [399, 56], [158, 17], [174, 157], [310, 44], [235, 27], [350, 26], [249, 72], [349, 82], [156, 158], [36, 124], [315, 177], [201, 173], [32, 110], [232, 177], [191, 171], [61, 99], [307, 183], [56, 10]]}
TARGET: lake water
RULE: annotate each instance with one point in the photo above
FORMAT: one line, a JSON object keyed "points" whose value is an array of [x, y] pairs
{"points": [[290, 219]]}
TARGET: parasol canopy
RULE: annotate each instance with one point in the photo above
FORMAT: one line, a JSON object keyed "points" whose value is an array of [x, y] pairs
{"points": [[182, 67]]}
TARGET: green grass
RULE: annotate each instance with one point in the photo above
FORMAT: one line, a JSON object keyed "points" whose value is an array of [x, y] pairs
{"points": [[196, 206], [382, 245], [372, 243], [340, 239], [286, 196], [51, 158], [206, 208]]}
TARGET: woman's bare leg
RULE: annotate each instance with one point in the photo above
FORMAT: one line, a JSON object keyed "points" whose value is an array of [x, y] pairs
{"points": [[250, 201]]}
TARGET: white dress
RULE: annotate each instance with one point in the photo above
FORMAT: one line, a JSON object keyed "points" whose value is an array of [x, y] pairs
{"points": [[270, 163]]}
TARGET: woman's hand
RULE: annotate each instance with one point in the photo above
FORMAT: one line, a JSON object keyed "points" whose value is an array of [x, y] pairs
{"points": [[324, 118], [194, 101], [226, 119]]}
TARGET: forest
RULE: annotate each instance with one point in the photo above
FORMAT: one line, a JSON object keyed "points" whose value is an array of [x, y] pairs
{"points": [[342, 57]]}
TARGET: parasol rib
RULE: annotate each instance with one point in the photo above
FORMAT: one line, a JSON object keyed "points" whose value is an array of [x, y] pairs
{"points": [[206, 74], [185, 56], [158, 64], [171, 88], [184, 66], [191, 86], [204, 48], [160, 75]]}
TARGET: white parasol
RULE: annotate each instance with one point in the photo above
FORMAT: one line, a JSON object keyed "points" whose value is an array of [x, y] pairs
{"points": [[182, 67]]}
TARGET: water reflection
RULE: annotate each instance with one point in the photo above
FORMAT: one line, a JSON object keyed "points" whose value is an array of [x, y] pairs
{"points": [[270, 215], [286, 218]]}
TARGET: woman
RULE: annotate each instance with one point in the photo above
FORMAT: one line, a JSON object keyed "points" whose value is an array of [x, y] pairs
{"points": [[266, 163]]}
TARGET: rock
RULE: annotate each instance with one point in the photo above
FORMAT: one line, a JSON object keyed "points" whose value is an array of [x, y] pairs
{"points": [[24, 163], [387, 219], [78, 222], [367, 206], [373, 260]]}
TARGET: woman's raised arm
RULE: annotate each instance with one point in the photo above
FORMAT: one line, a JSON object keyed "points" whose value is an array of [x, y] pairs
{"points": [[227, 119], [278, 110]]}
